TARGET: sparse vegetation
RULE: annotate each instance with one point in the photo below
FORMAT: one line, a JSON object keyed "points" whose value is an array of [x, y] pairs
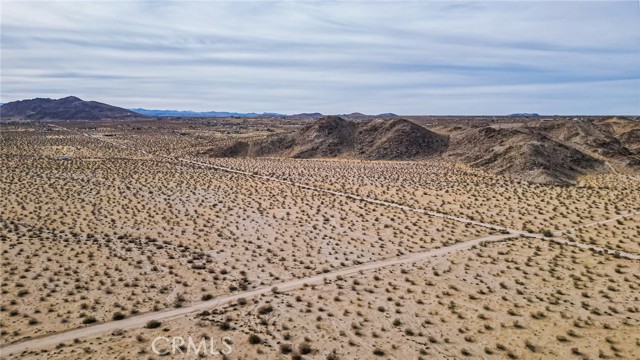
{"points": [[160, 234]]}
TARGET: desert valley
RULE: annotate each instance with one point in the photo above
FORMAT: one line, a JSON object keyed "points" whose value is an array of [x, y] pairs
{"points": [[317, 237]]}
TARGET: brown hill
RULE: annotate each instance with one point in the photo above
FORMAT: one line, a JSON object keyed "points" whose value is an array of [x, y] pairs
{"points": [[521, 153], [333, 136], [397, 138], [616, 138], [546, 153], [68, 108]]}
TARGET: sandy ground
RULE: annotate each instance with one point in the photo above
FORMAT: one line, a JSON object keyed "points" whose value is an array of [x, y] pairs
{"points": [[89, 239], [125, 228], [464, 305]]}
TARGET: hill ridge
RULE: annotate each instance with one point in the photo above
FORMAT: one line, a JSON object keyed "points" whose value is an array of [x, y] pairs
{"points": [[532, 153], [333, 136]]}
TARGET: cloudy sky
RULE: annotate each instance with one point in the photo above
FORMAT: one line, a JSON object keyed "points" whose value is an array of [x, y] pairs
{"points": [[407, 57]]}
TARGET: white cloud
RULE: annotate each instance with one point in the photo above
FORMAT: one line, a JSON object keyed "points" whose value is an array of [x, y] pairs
{"points": [[332, 57]]}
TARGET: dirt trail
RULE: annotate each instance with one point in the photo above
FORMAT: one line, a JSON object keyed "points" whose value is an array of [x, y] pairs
{"points": [[141, 320], [357, 197], [622, 254], [565, 231]]}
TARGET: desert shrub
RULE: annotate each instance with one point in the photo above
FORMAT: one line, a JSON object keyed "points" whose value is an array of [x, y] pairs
{"points": [[89, 320], [285, 348], [305, 348], [562, 338], [254, 339], [152, 324], [531, 346]]}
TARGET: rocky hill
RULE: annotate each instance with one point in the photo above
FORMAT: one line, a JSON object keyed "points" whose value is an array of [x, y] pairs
{"points": [[68, 108], [333, 136], [616, 139], [521, 153], [542, 152]]}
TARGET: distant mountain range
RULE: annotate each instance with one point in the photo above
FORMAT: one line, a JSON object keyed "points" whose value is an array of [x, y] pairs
{"points": [[525, 114], [187, 113], [73, 108]]}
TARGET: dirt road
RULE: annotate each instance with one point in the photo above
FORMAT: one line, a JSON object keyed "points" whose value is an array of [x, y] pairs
{"points": [[141, 320], [355, 197]]}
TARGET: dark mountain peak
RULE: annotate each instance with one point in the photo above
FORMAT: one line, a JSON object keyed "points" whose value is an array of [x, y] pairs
{"points": [[70, 99], [67, 108]]}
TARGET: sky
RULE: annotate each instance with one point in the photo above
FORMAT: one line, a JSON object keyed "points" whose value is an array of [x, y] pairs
{"points": [[333, 57]]}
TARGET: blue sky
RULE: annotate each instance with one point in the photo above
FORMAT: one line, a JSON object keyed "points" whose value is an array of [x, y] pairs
{"points": [[406, 57]]}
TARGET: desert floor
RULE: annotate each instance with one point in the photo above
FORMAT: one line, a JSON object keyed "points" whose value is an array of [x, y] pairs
{"points": [[116, 222]]}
